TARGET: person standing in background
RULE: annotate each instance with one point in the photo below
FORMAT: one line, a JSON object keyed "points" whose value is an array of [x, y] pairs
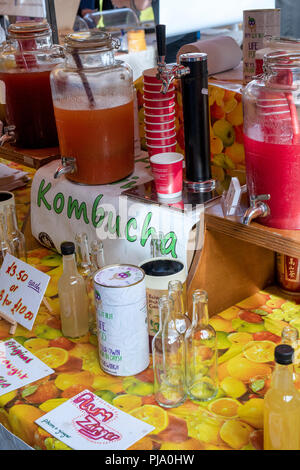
{"points": [[86, 6]]}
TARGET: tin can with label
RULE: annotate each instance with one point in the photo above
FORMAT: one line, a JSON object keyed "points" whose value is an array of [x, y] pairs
{"points": [[159, 272], [257, 24], [288, 273], [120, 293]]}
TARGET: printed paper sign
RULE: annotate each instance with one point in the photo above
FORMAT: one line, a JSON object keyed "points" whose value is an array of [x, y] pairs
{"points": [[22, 289], [86, 422], [19, 367]]}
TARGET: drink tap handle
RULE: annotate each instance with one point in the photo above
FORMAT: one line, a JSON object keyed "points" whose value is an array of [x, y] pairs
{"points": [[161, 43], [260, 197]]}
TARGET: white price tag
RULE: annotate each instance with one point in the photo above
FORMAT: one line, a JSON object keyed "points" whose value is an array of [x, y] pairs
{"points": [[22, 289]]}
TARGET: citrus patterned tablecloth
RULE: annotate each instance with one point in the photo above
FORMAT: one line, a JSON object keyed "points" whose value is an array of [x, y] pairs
{"points": [[247, 335]]}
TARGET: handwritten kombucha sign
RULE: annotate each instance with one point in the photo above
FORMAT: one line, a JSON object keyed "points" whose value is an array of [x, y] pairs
{"points": [[22, 289], [19, 367], [86, 422]]}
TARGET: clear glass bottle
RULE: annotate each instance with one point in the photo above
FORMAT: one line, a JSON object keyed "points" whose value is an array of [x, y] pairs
{"points": [[282, 405], [176, 292], [85, 269], [201, 352], [97, 255], [26, 60], [15, 236], [4, 244], [168, 358], [72, 295], [94, 110]]}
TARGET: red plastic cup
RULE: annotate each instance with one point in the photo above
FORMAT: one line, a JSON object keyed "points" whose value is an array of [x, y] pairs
{"points": [[156, 88], [160, 118], [162, 140], [167, 172], [159, 102], [163, 110], [159, 126], [159, 133], [155, 149], [150, 76], [153, 95]]}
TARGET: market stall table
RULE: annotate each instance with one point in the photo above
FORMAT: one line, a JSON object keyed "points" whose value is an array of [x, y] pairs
{"points": [[247, 334]]}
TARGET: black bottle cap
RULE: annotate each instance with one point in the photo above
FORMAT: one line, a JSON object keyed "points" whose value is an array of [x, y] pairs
{"points": [[284, 354], [67, 248]]}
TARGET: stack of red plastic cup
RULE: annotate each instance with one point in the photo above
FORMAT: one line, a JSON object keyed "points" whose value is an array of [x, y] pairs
{"points": [[159, 115]]}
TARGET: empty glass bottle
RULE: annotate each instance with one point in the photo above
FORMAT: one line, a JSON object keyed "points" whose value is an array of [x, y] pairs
{"points": [[97, 255], [201, 352], [168, 358], [15, 237], [86, 270], [72, 295], [175, 289], [4, 244]]}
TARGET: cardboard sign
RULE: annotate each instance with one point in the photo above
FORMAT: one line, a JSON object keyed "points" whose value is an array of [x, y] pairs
{"points": [[86, 422], [35, 8], [19, 367], [22, 289]]}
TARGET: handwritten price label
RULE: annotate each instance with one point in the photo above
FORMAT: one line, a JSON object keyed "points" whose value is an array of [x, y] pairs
{"points": [[22, 289], [86, 422], [19, 367]]}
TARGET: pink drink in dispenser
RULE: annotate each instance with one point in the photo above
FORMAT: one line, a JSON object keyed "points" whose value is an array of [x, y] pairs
{"points": [[272, 139]]}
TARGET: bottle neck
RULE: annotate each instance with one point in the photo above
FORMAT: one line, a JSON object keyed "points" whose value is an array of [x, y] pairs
{"points": [[69, 265], [178, 306], [283, 377], [3, 229], [200, 313], [97, 259], [11, 220], [82, 254]]}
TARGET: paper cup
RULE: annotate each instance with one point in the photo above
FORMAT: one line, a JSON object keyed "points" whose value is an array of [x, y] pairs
{"points": [[159, 118], [155, 149], [167, 171], [150, 76], [162, 140], [159, 102], [159, 126], [156, 88], [169, 108], [160, 133], [152, 95]]}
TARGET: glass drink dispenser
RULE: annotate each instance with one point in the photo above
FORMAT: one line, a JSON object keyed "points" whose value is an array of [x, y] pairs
{"points": [[94, 111], [272, 142], [26, 61]]}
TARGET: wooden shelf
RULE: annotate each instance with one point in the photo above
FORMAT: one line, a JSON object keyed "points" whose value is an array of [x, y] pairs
{"points": [[281, 241], [32, 158]]}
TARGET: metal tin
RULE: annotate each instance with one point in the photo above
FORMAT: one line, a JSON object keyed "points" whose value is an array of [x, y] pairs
{"points": [[157, 286], [288, 273], [120, 292], [257, 24]]}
